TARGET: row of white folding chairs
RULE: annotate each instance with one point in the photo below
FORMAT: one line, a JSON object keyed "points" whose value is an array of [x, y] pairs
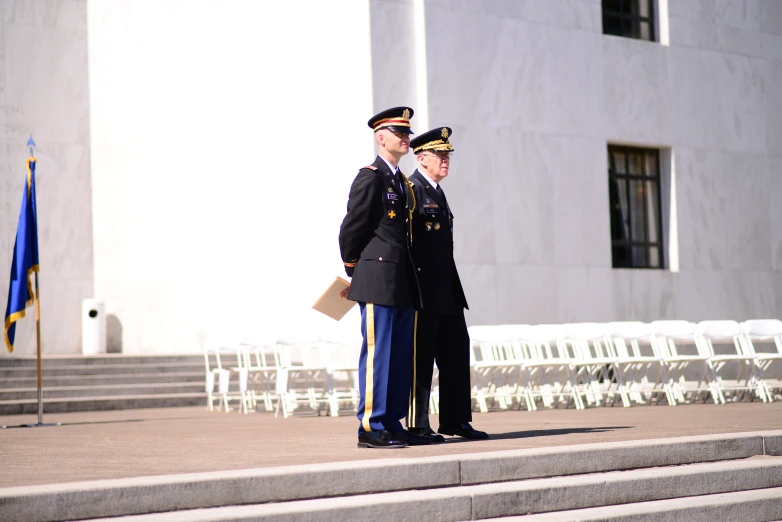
{"points": [[587, 363], [283, 375]]}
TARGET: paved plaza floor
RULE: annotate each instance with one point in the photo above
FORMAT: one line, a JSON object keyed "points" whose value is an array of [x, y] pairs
{"points": [[132, 443]]}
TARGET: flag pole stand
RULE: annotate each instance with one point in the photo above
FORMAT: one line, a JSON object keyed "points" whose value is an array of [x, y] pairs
{"points": [[40, 372]]}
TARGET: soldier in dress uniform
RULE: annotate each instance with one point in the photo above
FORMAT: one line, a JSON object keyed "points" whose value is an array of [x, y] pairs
{"points": [[374, 241], [441, 331]]}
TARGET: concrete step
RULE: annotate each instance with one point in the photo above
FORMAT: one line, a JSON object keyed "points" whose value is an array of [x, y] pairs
{"points": [[454, 487], [97, 360], [96, 380], [487, 501], [108, 369], [118, 402], [748, 506], [92, 383], [103, 390]]}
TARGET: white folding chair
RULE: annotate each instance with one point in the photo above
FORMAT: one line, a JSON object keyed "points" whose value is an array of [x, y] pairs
{"points": [[434, 392], [592, 360], [513, 356], [303, 377], [262, 363], [764, 332], [493, 362], [342, 372], [636, 358], [547, 367], [677, 343], [216, 377], [746, 377], [218, 374]]}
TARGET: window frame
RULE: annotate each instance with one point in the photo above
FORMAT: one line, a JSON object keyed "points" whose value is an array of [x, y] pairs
{"points": [[626, 178], [622, 16]]}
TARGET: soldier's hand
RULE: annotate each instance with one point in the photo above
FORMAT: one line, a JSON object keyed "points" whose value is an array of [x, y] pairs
{"points": [[344, 294]]}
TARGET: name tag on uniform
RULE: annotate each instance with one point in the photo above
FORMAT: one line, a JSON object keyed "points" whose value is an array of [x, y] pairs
{"points": [[392, 196]]}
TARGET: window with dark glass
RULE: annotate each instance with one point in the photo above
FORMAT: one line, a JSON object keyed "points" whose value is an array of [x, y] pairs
{"points": [[636, 217], [629, 18]]}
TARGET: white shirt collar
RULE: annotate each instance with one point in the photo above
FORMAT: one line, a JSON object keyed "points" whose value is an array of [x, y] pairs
{"points": [[427, 178], [393, 169]]}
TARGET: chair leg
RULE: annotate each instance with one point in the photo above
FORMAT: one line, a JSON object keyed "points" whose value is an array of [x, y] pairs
{"points": [[333, 405], [666, 383], [481, 398], [622, 386], [718, 385]]}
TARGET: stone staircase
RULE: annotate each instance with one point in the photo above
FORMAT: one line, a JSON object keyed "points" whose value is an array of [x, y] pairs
{"points": [[105, 382], [704, 478]]}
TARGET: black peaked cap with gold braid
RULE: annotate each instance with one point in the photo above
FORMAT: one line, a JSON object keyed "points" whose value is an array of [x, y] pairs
{"points": [[435, 140], [396, 119]]}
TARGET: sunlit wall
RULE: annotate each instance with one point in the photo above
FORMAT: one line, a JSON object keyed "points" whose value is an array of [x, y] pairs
{"points": [[225, 137]]}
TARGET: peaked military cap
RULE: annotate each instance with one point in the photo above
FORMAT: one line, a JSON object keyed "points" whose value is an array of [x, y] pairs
{"points": [[396, 119], [435, 140]]}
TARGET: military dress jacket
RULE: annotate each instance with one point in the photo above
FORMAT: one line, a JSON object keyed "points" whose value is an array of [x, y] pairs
{"points": [[375, 235], [432, 249]]}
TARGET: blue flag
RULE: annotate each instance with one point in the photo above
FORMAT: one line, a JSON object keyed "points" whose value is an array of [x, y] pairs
{"points": [[25, 260]]}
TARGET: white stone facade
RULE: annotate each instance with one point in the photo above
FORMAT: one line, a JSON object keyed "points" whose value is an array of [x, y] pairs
{"points": [[195, 155], [44, 90]]}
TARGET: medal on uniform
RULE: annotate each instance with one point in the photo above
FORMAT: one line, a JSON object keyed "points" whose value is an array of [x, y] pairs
{"points": [[391, 214]]}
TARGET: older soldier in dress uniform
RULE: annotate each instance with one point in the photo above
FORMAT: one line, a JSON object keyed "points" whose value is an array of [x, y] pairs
{"points": [[374, 241], [441, 332]]}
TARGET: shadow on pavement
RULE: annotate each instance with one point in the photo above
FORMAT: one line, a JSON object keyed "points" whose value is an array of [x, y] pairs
{"points": [[554, 432]]}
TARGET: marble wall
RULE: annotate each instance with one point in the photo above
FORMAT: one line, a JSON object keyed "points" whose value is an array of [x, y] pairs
{"points": [[394, 53], [44, 92], [535, 91], [225, 139], [195, 157]]}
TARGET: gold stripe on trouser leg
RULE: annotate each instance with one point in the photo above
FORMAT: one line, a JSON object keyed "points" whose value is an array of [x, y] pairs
{"points": [[414, 387], [370, 367]]}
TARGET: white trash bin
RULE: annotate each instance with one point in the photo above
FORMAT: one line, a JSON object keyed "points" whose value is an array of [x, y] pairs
{"points": [[93, 327]]}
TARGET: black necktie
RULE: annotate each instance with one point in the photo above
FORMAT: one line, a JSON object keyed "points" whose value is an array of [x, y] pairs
{"points": [[440, 193], [442, 197]]}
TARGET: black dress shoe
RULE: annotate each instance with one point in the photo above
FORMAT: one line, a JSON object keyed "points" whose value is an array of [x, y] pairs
{"points": [[463, 430], [414, 439], [428, 433], [380, 440]]}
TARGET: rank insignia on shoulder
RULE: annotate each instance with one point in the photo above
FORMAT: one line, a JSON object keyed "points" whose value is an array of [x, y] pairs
{"points": [[370, 167], [391, 214], [428, 226], [437, 226]]}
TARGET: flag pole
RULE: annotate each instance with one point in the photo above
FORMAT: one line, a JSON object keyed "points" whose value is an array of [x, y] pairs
{"points": [[38, 342], [31, 144]]}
